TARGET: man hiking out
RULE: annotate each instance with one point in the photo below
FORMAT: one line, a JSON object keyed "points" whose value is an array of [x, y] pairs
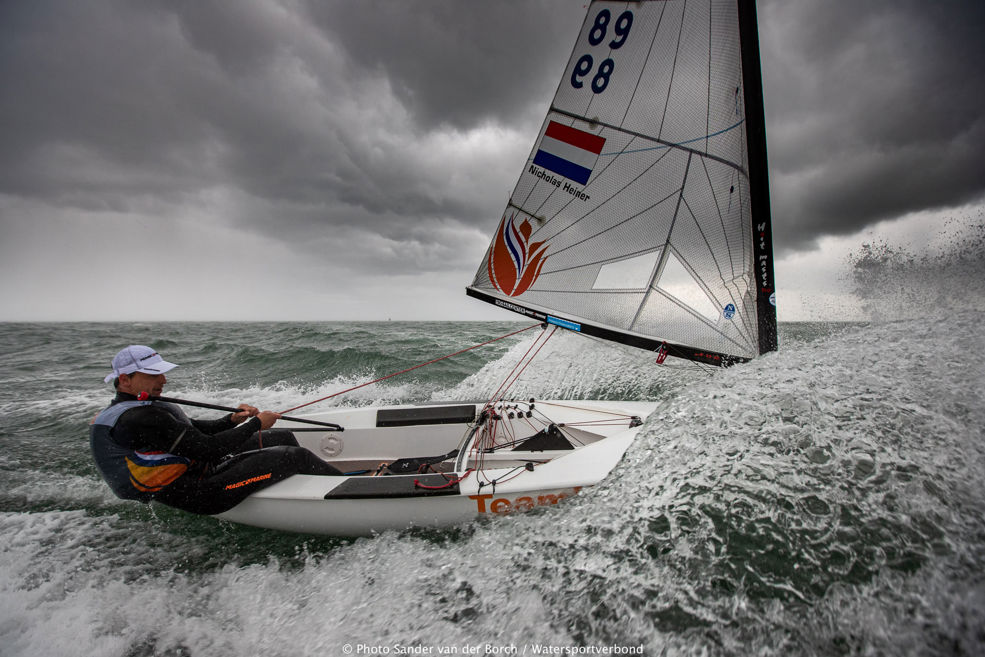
{"points": [[150, 450]]}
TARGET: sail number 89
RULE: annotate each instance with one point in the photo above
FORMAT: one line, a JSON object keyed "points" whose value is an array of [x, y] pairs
{"points": [[598, 34]]}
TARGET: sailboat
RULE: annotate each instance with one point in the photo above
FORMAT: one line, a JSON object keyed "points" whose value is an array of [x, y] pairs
{"points": [[641, 217]]}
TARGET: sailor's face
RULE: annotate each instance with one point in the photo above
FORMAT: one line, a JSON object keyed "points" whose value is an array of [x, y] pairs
{"points": [[138, 382]]}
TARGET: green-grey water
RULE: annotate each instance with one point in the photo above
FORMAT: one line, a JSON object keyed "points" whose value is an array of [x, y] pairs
{"points": [[823, 500]]}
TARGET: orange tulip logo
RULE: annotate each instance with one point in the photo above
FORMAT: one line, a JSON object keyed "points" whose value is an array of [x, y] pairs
{"points": [[515, 261]]}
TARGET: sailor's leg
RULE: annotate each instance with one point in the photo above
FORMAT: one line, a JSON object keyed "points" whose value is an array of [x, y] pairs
{"points": [[269, 438], [235, 479]]}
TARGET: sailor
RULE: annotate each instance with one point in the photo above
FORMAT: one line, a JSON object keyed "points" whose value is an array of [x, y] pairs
{"points": [[150, 450]]}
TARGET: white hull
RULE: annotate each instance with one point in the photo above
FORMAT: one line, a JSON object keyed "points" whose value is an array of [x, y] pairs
{"points": [[362, 504]]}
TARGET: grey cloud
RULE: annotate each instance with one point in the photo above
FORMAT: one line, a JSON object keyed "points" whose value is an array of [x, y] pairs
{"points": [[96, 112], [874, 110], [319, 116], [458, 63]]}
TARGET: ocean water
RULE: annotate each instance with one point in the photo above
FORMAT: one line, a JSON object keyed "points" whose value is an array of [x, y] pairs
{"points": [[827, 499]]}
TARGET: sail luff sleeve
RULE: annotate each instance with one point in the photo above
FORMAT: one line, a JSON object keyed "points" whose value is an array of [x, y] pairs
{"points": [[759, 186]]}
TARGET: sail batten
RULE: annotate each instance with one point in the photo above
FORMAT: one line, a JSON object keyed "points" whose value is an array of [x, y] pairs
{"points": [[650, 203], [661, 143]]}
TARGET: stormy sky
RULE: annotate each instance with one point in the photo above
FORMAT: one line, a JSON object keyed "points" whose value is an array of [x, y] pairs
{"points": [[318, 160]]}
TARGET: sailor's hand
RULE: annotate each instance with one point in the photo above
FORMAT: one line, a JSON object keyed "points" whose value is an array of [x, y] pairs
{"points": [[245, 413], [267, 419]]}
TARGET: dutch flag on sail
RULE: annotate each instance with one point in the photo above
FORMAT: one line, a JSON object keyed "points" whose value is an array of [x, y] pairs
{"points": [[569, 152]]}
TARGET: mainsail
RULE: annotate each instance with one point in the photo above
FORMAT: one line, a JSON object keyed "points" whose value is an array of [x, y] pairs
{"points": [[642, 215]]}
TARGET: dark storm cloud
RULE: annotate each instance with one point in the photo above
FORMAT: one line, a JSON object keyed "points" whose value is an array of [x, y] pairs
{"points": [[326, 112], [458, 63], [86, 113], [875, 109], [448, 67], [331, 118]]}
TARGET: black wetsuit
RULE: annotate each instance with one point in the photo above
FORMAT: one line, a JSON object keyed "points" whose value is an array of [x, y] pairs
{"points": [[153, 451]]}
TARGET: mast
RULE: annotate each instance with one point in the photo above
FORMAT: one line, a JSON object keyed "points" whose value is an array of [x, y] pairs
{"points": [[759, 184]]}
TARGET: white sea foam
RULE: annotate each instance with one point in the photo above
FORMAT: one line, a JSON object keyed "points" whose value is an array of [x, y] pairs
{"points": [[829, 492]]}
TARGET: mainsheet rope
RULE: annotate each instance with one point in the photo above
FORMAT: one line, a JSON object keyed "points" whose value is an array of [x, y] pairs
{"points": [[410, 369], [493, 427], [518, 369]]}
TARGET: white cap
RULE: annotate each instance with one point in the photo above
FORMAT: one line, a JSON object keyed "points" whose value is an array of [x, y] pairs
{"points": [[138, 358]]}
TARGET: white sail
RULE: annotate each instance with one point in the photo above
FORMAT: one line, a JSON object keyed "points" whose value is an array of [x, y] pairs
{"points": [[636, 217]]}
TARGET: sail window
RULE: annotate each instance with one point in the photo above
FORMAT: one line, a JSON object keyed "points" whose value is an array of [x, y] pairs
{"points": [[678, 282], [629, 274]]}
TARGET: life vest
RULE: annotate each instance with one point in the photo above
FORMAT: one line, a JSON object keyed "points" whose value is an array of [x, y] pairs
{"points": [[133, 473]]}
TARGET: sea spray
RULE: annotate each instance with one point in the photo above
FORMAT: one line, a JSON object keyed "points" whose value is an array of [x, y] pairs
{"points": [[825, 499], [896, 281]]}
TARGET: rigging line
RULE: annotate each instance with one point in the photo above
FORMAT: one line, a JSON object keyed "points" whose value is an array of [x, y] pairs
{"points": [[451, 482], [729, 284], [475, 451], [588, 107], [658, 270], [531, 359], [708, 87], [495, 398], [544, 418], [593, 96], [566, 432], [520, 418], [598, 207], [615, 422], [510, 432], [625, 151], [571, 437], [509, 384], [679, 144], [596, 175], [636, 86], [663, 142], [582, 408], [515, 472], [649, 52], [679, 364], [699, 280], [557, 92], [673, 71], [633, 352], [616, 192], [504, 429], [700, 368], [409, 369], [699, 317], [605, 290], [601, 290], [602, 204], [718, 209]]}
